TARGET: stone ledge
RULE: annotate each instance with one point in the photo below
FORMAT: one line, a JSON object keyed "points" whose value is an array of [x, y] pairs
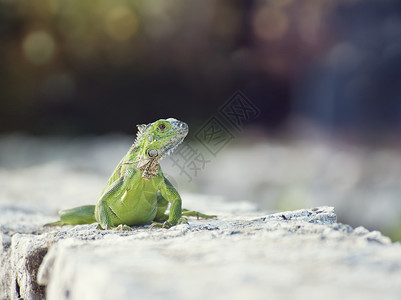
{"points": [[300, 254]]}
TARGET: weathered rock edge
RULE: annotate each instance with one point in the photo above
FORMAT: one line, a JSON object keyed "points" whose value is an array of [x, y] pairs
{"points": [[32, 262]]}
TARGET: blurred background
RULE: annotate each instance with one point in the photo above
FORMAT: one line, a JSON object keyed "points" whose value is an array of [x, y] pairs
{"points": [[323, 78]]}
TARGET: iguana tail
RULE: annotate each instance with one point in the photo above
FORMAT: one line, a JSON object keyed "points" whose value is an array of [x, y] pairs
{"points": [[57, 223], [74, 216]]}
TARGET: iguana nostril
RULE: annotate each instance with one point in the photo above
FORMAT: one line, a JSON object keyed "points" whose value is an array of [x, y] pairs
{"points": [[184, 125]]}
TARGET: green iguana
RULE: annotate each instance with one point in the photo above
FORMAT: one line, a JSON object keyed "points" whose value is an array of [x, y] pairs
{"points": [[137, 192]]}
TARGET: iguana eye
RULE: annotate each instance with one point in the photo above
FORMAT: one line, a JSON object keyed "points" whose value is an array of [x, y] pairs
{"points": [[162, 126], [152, 153]]}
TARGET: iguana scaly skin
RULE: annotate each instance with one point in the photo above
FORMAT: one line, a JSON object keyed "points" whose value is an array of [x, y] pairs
{"points": [[137, 193]]}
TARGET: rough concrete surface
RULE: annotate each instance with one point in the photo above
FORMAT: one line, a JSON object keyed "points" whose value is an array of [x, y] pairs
{"points": [[244, 254], [303, 254]]}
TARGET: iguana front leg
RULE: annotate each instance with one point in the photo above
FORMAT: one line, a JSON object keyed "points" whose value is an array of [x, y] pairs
{"points": [[169, 193], [103, 213], [177, 213]]}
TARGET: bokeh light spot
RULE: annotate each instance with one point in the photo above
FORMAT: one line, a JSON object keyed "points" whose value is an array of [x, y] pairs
{"points": [[38, 47], [121, 23], [270, 23]]}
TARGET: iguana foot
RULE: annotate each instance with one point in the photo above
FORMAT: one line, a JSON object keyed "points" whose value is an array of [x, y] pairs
{"points": [[156, 225], [166, 225], [100, 227], [183, 220], [123, 227]]}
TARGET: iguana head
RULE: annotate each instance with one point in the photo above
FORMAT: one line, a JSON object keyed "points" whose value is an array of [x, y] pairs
{"points": [[154, 141]]}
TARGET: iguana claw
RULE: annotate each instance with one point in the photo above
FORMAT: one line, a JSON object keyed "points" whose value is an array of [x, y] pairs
{"points": [[183, 220], [123, 227], [165, 225], [107, 227], [156, 225]]}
